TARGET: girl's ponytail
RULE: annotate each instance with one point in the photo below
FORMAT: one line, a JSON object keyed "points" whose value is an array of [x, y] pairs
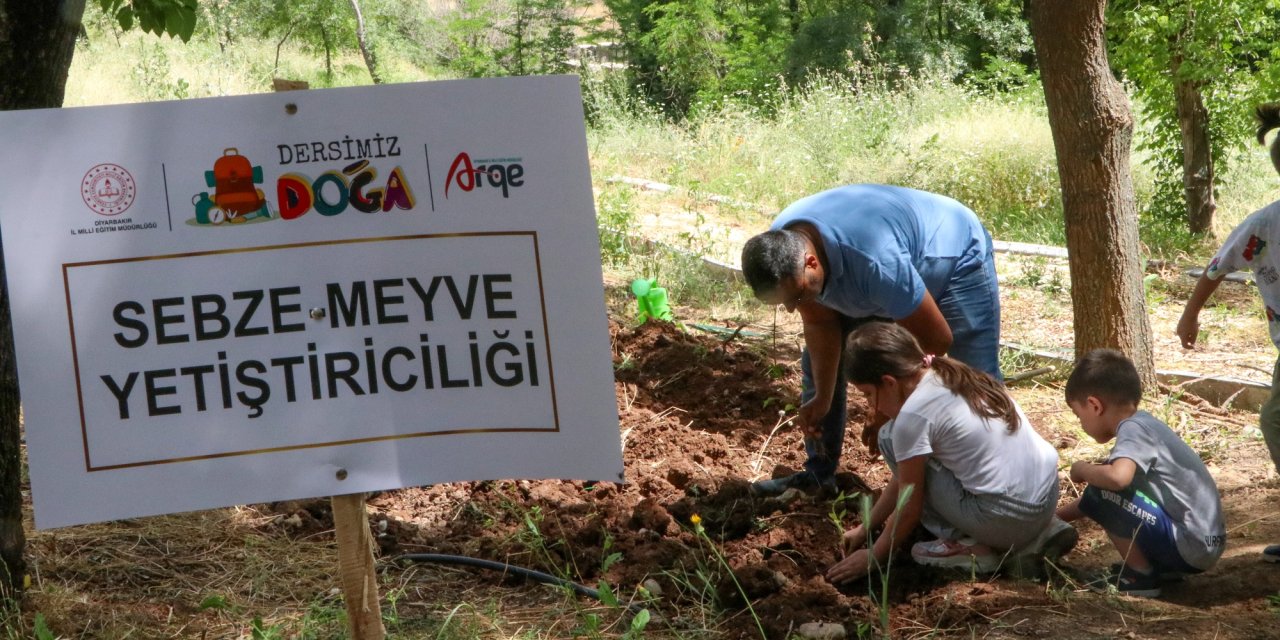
{"points": [[987, 397], [883, 348]]}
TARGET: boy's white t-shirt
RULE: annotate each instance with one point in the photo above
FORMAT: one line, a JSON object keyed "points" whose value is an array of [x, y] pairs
{"points": [[980, 452], [1255, 245]]}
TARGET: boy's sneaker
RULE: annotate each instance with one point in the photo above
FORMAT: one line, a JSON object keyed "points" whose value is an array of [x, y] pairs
{"points": [[1126, 582], [1271, 553], [955, 555], [1163, 577], [804, 481]]}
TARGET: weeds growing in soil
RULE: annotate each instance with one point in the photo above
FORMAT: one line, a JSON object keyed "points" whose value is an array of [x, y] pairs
{"points": [[836, 514], [14, 627], [881, 599], [701, 532]]}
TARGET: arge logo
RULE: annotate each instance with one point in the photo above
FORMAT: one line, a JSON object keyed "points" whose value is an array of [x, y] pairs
{"points": [[108, 189], [500, 173]]}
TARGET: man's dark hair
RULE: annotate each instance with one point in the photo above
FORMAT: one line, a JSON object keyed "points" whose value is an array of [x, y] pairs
{"points": [[1106, 374], [770, 257]]}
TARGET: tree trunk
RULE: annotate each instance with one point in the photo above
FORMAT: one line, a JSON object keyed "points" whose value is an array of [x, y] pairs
{"points": [[1092, 129], [888, 22], [37, 41], [518, 33], [328, 53], [1197, 154], [275, 66], [365, 50]]}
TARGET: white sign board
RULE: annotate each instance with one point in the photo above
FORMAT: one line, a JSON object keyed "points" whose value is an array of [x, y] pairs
{"points": [[269, 297]]}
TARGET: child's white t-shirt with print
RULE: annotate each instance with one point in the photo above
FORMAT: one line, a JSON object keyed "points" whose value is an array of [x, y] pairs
{"points": [[1254, 245], [979, 451]]}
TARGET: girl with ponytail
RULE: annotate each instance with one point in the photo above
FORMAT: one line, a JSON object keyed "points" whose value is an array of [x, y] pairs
{"points": [[966, 463]]}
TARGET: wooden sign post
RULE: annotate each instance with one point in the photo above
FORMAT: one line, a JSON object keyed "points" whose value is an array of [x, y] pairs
{"points": [[355, 563]]}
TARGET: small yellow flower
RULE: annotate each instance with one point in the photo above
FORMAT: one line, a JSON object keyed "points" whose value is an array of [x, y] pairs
{"points": [[695, 519]]}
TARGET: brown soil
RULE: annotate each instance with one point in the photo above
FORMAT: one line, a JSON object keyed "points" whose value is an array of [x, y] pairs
{"points": [[696, 414], [700, 417]]}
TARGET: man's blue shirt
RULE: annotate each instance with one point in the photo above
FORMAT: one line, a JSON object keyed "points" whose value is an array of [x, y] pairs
{"points": [[886, 245]]}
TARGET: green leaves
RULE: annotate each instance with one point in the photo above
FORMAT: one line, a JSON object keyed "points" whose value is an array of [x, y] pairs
{"points": [[215, 602], [175, 18], [41, 630], [1222, 49]]}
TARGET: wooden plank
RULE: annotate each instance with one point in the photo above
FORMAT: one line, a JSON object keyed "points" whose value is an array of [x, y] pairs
{"points": [[355, 561]]}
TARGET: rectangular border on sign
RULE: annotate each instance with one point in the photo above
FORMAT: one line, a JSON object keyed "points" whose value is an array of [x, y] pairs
{"points": [[542, 301]]}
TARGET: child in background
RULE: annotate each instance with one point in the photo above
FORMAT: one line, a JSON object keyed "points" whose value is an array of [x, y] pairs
{"points": [[980, 478], [1250, 246], [1153, 495]]}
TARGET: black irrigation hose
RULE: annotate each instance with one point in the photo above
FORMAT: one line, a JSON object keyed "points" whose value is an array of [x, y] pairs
{"points": [[532, 574]]}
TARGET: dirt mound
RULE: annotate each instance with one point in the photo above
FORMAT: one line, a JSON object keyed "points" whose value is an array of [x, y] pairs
{"points": [[700, 418]]}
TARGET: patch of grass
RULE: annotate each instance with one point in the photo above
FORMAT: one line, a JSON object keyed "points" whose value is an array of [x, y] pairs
{"points": [[615, 216], [994, 154], [114, 67]]}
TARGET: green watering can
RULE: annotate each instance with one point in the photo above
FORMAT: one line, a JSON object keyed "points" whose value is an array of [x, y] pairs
{"points": [[651, 300]]}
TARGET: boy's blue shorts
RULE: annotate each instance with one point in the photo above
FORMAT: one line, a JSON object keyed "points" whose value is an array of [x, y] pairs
{"points": [[1133, 515]]}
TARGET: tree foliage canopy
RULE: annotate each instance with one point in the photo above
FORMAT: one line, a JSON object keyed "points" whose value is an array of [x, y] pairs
{"points": [[686, 52], [175, 18], [1224, 48]]}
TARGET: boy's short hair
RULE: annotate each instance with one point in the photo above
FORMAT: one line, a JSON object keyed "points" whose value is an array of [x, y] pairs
{"points": [[1106, 374]]}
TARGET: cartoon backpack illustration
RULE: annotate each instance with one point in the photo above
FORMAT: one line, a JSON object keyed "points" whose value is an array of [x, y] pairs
{"points": [[235, 197]]}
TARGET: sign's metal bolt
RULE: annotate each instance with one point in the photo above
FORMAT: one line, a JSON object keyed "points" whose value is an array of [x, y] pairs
{"points": [[291, 108], [317, 313], [341, 474]]}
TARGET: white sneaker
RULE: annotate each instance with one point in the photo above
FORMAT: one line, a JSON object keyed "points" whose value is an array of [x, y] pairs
{"points": [[955, 555]]}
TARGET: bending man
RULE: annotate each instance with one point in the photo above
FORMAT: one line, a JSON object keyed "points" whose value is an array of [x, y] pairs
{"points": [[853, 253]]}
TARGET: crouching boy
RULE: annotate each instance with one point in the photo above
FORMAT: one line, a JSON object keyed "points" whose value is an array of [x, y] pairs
{"points": [[1153, 495]]}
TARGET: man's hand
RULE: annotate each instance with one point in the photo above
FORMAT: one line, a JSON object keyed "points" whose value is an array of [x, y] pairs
{"points": [[851, 568], [809, 415]]}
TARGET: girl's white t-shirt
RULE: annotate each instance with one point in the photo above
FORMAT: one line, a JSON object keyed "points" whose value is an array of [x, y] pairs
{"points": [[1253, 245], [980, 452]]}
